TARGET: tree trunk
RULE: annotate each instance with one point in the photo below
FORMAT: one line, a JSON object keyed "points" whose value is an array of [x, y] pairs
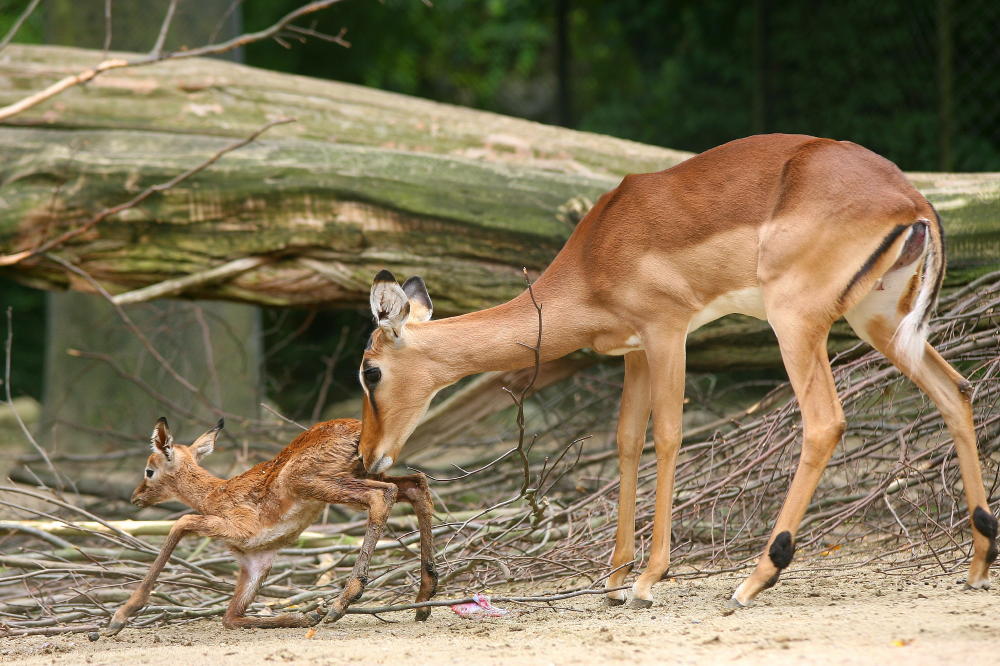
{"points": [[98, 376], [364, 180]]}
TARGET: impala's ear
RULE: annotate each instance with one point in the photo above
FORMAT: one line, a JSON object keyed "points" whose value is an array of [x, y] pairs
{"points": [[421, 307], [162, 441], [205, 444], [390, 306]]}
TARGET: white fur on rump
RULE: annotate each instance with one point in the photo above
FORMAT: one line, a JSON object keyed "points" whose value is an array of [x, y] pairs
{"points": [[911, 334]]}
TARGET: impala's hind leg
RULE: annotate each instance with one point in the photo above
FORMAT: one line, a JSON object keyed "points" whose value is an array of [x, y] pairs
{"points": [[802, 340], [953, 396], [632, 420]]}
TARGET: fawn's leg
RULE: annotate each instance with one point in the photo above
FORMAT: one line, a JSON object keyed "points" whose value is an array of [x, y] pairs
{"points": [[254, 568], [413, 490], [633, 416], [209, 526], [375, 496]]}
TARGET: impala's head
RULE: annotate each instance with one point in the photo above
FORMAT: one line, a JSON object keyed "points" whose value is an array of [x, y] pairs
{"points": [[397, 390], [159, 483]]}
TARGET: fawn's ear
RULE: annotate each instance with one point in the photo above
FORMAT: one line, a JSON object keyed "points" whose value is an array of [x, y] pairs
{"points": [[205, 444], [421, 307], [162, 441], [390, 305]]}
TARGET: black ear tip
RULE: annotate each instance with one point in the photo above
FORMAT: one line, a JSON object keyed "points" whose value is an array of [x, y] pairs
{"points": [[221, 424], [162, 421], [384, 276]]}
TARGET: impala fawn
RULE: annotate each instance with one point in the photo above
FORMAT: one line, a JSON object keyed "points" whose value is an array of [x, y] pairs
{"points": [[793, 229], [269, 505]]}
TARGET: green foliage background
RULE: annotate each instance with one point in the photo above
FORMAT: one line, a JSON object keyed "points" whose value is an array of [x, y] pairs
{"points": [[681, 73], [685, 74]]}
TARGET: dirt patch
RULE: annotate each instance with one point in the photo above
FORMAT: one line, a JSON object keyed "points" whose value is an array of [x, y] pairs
{"points": [[847, 616]]}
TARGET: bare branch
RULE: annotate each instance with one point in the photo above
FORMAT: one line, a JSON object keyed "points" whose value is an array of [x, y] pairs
{"points": [[157, 49]]}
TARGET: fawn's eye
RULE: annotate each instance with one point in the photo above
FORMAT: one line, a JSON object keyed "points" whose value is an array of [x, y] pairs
{"points": [[149, 473], [372, 375]]}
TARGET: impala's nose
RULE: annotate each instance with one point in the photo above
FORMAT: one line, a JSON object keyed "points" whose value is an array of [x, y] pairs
{"points": [[380, 465]]}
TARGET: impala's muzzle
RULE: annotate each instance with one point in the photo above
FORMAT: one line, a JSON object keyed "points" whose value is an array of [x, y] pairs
{"points": [[380, 465]]}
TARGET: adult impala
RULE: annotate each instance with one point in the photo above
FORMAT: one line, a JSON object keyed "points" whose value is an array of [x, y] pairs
{"points": [[793, 229]]}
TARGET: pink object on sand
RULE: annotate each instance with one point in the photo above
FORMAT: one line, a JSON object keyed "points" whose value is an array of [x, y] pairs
{"points": [[481, 607]]}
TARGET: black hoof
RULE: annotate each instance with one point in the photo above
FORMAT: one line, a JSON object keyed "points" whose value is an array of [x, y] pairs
{"points": [[611, 601], [640, 603], [423, 614]]}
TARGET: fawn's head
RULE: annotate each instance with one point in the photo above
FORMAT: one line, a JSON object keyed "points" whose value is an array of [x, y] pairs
{"points": [[168, 459], [397, 386]]}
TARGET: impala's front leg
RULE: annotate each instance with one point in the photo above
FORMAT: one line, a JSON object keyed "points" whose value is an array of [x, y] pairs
{"points": [[209, 526], [632, 420], [414, 490], [665, 355]]}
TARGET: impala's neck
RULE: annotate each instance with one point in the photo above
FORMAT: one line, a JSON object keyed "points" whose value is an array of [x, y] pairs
{"points": [[500, 337], [194, 485]]}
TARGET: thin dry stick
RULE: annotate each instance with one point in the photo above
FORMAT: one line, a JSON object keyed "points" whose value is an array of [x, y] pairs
{"points": [[8, 346], [157, 49]]}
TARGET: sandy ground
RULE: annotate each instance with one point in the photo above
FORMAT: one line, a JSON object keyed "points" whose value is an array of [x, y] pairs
{"points": [[849, 616]]}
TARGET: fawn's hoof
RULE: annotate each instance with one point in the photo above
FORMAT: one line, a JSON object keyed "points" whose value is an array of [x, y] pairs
{"points": [[736, 603], [112, 629], [423, 614], [978, 585], [614, 601], [640, 603]]}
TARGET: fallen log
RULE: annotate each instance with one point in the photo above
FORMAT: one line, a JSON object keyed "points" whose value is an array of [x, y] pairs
{"points": [[364, 180]]}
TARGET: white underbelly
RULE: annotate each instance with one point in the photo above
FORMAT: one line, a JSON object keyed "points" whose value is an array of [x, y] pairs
{"points": [[749, 301]]}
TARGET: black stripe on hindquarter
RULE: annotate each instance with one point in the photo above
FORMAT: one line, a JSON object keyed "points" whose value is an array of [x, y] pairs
{"points": [[870, 263]]}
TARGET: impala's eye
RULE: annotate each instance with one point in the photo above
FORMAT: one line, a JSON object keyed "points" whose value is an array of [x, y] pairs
{"points": [[149, 473], [372, 376]]}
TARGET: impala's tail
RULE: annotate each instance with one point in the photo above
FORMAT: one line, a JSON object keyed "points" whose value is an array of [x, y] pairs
{"points": [[903, 295], [911, 333]]}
